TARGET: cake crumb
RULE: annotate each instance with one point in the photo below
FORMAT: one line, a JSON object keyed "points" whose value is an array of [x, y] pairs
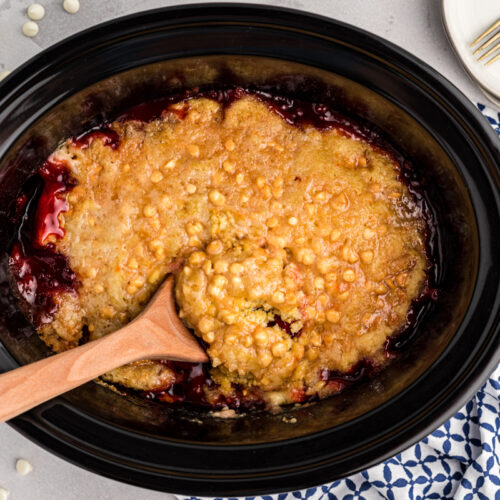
{"points": [[225, 413]]}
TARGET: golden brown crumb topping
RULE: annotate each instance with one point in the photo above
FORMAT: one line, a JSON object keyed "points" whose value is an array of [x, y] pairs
{"points": [[298, 250]]}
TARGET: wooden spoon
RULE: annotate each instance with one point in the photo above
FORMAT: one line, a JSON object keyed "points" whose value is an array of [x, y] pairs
{"points": [[156, 333]]}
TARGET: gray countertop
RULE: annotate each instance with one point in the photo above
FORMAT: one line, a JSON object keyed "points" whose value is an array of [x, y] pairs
{"points": [[414, 25]]}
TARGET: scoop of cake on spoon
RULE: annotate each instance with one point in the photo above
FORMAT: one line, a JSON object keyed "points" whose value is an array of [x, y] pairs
{"points": [[157, 333]]}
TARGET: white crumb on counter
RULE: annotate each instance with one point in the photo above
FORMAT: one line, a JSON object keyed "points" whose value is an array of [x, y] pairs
{"points": [[4, 494], [30, 29], [36, 11], [23, 467], [71, 6]]}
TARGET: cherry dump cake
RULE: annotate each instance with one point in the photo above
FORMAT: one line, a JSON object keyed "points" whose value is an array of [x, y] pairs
{"points": [[299, 247]]}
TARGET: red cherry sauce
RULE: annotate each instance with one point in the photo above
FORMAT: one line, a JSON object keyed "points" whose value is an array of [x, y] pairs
{"points": [[51, 204], [284, 325], [194, 386], [190, 382], [38, 269], [40, 274]]}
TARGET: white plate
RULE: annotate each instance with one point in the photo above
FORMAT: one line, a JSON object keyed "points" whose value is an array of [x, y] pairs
{"points": [[464, 21]]}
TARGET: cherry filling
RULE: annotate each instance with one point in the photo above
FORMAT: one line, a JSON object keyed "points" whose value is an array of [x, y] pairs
{"points": [[284, 325], [191, 379], [51, 204], [194, 386], [39, 271]]}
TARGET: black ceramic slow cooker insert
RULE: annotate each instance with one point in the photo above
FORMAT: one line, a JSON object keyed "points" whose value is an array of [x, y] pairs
{"points": [[91, 76]]}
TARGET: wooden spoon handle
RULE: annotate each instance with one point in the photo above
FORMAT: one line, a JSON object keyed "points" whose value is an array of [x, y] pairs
{"points": [[30, 385], [156, 333]]}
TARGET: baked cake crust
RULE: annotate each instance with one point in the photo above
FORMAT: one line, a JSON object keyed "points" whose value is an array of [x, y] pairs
{"points": [[298, 251]]}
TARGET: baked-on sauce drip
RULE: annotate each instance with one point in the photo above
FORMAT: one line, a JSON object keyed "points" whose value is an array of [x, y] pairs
{"points": [[41, 272], [108, 137]]}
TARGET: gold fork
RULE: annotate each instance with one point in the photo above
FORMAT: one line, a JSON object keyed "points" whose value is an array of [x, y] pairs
{"points": [[488, 44]]}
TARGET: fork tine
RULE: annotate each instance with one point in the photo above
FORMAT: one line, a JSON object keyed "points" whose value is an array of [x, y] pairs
{"points": [[487, 43], [492, 60], [486, 33], [486, 54]]}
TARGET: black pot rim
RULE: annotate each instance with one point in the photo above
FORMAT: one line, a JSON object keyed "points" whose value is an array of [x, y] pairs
{"points": [[34, 426]]}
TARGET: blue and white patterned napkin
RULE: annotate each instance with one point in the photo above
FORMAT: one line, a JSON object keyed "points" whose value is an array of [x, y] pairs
{"points": [[458, 461]]}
